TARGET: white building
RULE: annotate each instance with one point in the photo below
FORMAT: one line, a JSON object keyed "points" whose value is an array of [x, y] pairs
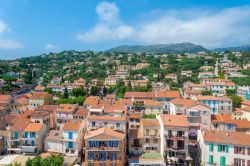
{"points": [[224, 148]]}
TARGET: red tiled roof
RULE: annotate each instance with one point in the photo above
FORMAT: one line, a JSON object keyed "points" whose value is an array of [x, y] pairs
{"points": [[174, 120], [142, 95], [104, 131], [168, 94], [72, 124], [226, 137]]}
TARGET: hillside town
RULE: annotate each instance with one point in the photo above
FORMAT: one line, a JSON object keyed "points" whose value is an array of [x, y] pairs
{"points": [[125, 109]]}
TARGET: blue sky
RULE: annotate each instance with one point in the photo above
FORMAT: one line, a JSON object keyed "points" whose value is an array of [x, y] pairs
{"points": [[32, 27]]}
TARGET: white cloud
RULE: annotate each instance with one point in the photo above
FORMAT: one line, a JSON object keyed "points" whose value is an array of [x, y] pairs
{"points": [[50, 46], [7, 43], [211, 28], [107, 11], [3, 27], [109, 28], [10, 44]]}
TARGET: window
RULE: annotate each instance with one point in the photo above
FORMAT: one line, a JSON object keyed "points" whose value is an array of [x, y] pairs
{"points": [[239, 150], [118, 125], [147, 140], [32, 143], [223, 148], [70, 145], [93, 124], [70, 135], [32, 135], [211, 159], [222, 161], [211, 147]]}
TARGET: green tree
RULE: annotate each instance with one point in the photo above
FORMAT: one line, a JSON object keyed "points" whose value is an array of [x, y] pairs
{"points": [[236, 100], [28, 162], [66, 93], [205, 93], [78, 92], [230, 92]]}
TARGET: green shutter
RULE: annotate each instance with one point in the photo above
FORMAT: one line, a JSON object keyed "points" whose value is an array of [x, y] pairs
{"points": [[219, 149], [227, 148], [222, 161], [211, 159], [211, 147]]}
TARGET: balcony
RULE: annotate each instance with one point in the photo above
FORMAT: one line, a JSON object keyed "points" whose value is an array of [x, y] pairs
{"points": [[69, 139], [15, 139], [104, 148], [156, 145], [176, 136], [175, 148], [96, 161], [28, 148]]}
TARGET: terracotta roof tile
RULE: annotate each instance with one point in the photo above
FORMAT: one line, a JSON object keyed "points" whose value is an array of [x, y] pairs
{"points": [[224, 98], [104, 131], [5, 98], [246, 102], [82, 112], [141, 95], [92, 100], [232, 138], [174, 120], [33, 127], [69, 108], [168, 94], [20, 124], [55, 135], [72, 124]]}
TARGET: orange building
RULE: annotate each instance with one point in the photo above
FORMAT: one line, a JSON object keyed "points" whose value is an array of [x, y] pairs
{"points": [[104, 145]]}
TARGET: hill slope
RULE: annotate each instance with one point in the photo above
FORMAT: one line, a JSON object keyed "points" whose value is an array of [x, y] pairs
{"points": [[160, 48], [240, 48]]}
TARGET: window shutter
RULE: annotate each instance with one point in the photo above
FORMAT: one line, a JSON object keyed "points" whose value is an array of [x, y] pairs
{"points": [[243, 162], [211, 159], [222, 161], [211, 147], [227, 148], [235, 161], [243, 150], [219, 148], [248, 151], [235, 149]]}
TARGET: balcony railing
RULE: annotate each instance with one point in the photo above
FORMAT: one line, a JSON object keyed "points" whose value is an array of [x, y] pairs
{"points": [[104, 148], [176, 136], [175, 148]]}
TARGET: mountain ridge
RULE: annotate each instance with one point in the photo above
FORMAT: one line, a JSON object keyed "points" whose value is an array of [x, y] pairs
{"points": [[184, 47]]}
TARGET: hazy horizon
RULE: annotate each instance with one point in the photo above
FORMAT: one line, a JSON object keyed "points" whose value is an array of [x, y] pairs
{"points": [[30, 28]]}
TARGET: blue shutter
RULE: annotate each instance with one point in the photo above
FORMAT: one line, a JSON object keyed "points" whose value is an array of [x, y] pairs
{"points": [[16, 135], [70, 135], [89, 156], [34, 135], [111, 156], [32, 143], [89, 143], [25, 135], [96, 145], [105, 156], [115, 156]]}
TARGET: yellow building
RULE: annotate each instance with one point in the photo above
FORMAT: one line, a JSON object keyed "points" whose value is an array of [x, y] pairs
{"points": [[153, 107], [40, 98]]}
